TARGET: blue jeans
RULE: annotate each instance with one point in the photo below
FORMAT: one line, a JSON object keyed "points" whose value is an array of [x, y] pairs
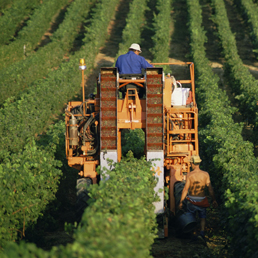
{"points": [[193, 209]]}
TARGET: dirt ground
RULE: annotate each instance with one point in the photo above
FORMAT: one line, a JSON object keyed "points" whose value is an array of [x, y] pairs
{"points": [[172, 246], [175, 246]]}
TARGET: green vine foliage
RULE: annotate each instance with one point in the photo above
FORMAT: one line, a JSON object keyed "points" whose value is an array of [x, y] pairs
{"points": [[13, 18], [239, 78], [249, 11], [227, 156], [121, 208], [134, 25], [133, 140], [30, 35], [23, 107], [161, 39], [23, 74], [35, 106], [126, 201], [29, 180], [120, 211], [5, 5]]}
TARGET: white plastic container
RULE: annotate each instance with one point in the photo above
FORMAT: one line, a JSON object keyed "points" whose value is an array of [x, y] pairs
{"points": [[179, 96]]}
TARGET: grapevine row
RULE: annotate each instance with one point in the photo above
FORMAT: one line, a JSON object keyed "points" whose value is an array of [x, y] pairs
{"points": [[21, 74], [4, 4], [161, 39], [250, 9], [13, 17], [134, 25], [30, 35], [121, 211], [242, 82], [31, 113], [228, 157], [35, 108], [29, 181]]}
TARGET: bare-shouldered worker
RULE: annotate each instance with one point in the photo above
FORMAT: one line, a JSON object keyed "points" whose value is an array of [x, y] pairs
{"points": [[196, 183]]}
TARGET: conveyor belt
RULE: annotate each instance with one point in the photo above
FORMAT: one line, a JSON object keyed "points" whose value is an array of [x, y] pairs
{"points": [[108, 107], [154, 107]]}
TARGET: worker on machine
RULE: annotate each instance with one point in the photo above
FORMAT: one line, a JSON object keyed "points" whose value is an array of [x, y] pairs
{"points": [[194, 191], [132, 62]]}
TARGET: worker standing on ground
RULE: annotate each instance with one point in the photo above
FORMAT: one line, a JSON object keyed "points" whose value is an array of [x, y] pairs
{"points": [[194, 190], [132, 62]]}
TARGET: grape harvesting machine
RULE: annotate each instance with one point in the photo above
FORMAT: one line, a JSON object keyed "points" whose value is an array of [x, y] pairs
{"points": [[163, 107]]}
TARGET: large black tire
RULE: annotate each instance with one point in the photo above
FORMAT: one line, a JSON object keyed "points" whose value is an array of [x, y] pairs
{"points": [[82, 196]]}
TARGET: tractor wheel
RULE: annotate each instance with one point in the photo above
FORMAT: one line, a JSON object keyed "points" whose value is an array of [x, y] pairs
{"points": [[82, 196]]}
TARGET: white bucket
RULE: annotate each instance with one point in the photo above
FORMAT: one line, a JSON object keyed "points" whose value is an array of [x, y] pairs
{"points": [[179, 96]]}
